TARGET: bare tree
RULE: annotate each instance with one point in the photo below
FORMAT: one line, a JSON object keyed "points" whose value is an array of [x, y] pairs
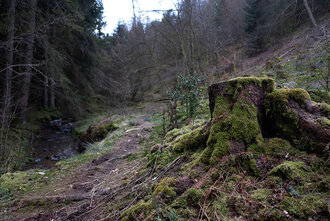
{"points": [[310, 14]]}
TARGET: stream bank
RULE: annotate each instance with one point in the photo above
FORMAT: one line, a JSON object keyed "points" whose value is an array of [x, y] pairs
{"points": [[54, 143]]}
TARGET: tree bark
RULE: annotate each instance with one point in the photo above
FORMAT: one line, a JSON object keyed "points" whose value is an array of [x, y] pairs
{"points": [[28, 60], [46, 92], [10, 60], [310, 14], [52, 91]]}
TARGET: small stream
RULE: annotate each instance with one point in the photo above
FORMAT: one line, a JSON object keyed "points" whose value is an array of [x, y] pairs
{"points": [[54, 143]]}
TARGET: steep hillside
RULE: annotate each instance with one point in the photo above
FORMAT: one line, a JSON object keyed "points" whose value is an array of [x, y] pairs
{"points": [[263, 155]]}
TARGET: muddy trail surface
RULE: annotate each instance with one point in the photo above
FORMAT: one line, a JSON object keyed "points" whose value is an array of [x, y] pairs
{"points": [[90, 190], [52, 145]]}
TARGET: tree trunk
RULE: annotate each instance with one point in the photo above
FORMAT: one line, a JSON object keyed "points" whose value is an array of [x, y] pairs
{"points": [[10, 60], [46, 84], [310, 14], [52, 91], [46, 92], [28, 60]]}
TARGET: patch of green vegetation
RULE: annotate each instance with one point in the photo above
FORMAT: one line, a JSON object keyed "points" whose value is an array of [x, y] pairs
{"points": [[324, 122], [165, 189], [221, 209], [237, 84], [191, 141], [194, 197], [131, 157], [243, 161], [261, 195], [23, 181], [325, 108], [307, 206], [280, 147], [92, 151], [162, 157], [138, 211], [178, 132], [282, 96], [290, 170], [320, 96]]}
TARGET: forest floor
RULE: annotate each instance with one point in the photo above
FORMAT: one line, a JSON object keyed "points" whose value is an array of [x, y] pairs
{"points": [[83, 191]]}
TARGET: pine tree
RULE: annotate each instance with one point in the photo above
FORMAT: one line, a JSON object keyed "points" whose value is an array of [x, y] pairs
{"points": [[253, 18]]}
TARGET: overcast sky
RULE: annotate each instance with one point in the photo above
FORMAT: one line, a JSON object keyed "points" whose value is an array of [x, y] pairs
{"points": [[121, 10]]}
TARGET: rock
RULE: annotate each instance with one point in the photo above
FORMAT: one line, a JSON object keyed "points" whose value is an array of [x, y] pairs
{"points": [[56, 123], [37, 160], [98, 131]]}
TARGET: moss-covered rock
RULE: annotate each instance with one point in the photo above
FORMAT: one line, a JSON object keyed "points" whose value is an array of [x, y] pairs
{"points": [[99, 131], [290, 170], [279, 147], [325, 108], [191, 141]]}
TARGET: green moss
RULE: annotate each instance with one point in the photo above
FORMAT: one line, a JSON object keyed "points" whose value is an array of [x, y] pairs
{"points": [[237, 84], [320, 96], [221, 209], [324, 122], [221, 106], [180, 202], [20, 181], [191, 141], [243, 161], [290, 170], [278, 146], [325, 108], [98, 131], [220, 148], [194, 197], [285, 122], [139, 211], [271, 214], [307, 206], [261, 195], [240, 124], [165, 188]]}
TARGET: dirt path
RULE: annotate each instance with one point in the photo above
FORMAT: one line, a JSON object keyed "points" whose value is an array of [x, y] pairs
{"points": [[86, 192]]}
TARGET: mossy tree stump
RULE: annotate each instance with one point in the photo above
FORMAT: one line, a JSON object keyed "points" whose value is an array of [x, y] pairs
{"points": [[246, 110]]}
